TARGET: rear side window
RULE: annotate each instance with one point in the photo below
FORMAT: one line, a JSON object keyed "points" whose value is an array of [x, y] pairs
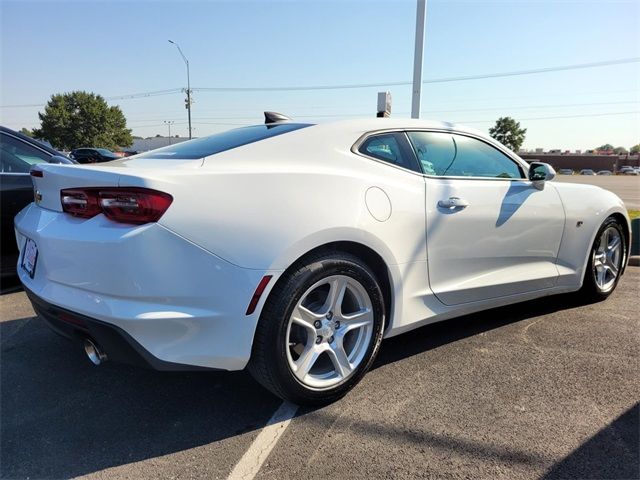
{"points": [[220, 142], [388, 148]]}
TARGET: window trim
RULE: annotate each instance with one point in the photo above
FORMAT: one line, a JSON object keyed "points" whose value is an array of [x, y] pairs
{"points": [[517, 160]]}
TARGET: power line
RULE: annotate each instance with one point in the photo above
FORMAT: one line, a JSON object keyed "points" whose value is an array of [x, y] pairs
{"points": [[366, 85], [362, 114], [156, 93], [432, 80]]}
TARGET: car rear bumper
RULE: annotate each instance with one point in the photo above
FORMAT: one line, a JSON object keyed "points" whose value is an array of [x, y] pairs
{"points": [[118, 345], [166, 297]]}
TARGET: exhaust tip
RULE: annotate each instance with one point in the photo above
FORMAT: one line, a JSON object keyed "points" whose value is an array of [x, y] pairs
{"points": [[94, 353]]}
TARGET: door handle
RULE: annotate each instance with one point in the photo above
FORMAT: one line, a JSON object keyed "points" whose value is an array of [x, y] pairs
{"points": [[453, 202]]}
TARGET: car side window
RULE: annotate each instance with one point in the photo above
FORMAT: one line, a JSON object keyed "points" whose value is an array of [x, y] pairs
{"points": [[386, 147], [17, 156], [436, 152], [444, 154], [478, 159]]}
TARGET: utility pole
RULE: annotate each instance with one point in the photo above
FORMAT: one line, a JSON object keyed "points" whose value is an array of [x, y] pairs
{"points": [[421, 14], [168, 124], [188, 100]]}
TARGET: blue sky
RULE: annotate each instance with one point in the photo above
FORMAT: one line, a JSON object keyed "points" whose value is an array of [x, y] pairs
{"points": [[116, 48]]}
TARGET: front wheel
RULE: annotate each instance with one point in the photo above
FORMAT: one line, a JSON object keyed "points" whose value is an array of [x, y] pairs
{"points": [[606, 261], [320, 330]]}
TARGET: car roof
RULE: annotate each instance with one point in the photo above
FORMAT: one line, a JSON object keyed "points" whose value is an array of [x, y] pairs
{"points": [[31, 141], [373, 123]]}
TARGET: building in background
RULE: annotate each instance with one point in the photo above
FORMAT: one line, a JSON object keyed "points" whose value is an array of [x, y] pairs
{"points": [[576, 161]]}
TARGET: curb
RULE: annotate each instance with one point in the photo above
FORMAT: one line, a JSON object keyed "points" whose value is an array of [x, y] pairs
{"points": [[634, 261]]}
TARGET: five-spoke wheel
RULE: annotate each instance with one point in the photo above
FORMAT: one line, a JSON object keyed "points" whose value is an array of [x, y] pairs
{"points": [[320, 329], [606, 261], [329, 331], [607, 258]]}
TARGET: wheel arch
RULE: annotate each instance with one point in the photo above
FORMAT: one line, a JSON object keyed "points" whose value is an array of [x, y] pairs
{"points": [[618, 215], [626, 230], [368, 255]]}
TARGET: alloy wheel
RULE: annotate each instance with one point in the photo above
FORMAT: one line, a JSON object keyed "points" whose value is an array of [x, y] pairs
{"points": [[607, 259], [329, 332]]}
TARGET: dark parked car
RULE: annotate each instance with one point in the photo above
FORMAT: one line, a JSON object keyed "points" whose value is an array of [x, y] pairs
{"points": [[587, 171], [93, 155], [17, 154]]}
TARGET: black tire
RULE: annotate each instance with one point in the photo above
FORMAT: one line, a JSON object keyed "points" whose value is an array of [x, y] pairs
{"points": [[591, 291], [269, 364]]}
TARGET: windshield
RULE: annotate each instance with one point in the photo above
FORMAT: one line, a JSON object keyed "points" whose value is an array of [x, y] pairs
{"points": [[106, 152], [203, 147]]}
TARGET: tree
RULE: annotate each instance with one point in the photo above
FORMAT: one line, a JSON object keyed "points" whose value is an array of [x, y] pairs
{"points": [[619, 150], [635, 150], [605, 147], [508, 132], [82, 119], [26, 131]]}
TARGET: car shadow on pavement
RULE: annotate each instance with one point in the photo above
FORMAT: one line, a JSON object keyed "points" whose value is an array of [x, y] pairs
{"points": [[10, 285], [61, 417], [449, 331], [601, 455]]}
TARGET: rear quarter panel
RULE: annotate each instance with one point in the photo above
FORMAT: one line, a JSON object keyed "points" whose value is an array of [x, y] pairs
{"points": [[263, 206]]}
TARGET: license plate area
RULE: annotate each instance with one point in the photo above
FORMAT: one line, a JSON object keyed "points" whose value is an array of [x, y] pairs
{"points": [[29, 257]]}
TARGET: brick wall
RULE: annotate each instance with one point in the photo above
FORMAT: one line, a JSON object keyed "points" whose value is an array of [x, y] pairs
{"points": [[578, 162]]}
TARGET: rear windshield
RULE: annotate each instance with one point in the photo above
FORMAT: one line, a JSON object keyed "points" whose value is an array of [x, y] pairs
{"points": [[203, 147]]}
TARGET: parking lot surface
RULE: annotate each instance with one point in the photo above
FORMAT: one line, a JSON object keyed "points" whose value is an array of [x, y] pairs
{"points": [[627, 187], [549, 388]]}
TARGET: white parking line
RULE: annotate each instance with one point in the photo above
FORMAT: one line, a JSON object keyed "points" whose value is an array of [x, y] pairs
{"points": [[259, 450]]}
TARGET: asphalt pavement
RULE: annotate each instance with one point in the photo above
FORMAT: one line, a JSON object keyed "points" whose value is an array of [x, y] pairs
{"points": [[546, 389], [627, 187]]}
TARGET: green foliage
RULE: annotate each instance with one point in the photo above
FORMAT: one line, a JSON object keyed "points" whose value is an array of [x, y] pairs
{"points": [[606, 146], [26, 131], [508, 132], [619, 150], [82, 119], [635, 150]]}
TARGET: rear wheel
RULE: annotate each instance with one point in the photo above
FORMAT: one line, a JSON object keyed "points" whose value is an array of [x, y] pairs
{"points": [[319, 331], [606, 260]]}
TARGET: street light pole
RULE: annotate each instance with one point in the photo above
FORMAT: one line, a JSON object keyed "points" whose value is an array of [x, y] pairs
{"points": [[188, 84], [416, 97], [168, 124]]}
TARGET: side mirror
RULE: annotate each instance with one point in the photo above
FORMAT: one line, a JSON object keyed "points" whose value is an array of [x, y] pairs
{"points": [[539, 173]]}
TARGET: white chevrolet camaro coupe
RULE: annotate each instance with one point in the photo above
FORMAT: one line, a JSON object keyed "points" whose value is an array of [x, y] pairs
{"points": [[293, 249]]}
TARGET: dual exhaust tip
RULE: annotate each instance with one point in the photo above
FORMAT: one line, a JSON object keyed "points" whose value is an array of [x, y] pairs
{"points": [[94, 353]]}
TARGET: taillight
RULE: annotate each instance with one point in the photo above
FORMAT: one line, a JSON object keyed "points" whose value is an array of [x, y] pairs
{"points": [[79, 202], [134, 205]]}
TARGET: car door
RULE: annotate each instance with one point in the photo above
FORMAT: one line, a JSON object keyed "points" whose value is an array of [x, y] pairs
{"points": [[490, 232], [16, 190]]}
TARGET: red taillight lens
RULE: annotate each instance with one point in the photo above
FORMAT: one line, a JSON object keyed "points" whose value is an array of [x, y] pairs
{"points": [[79, 202], [121, 204]]}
